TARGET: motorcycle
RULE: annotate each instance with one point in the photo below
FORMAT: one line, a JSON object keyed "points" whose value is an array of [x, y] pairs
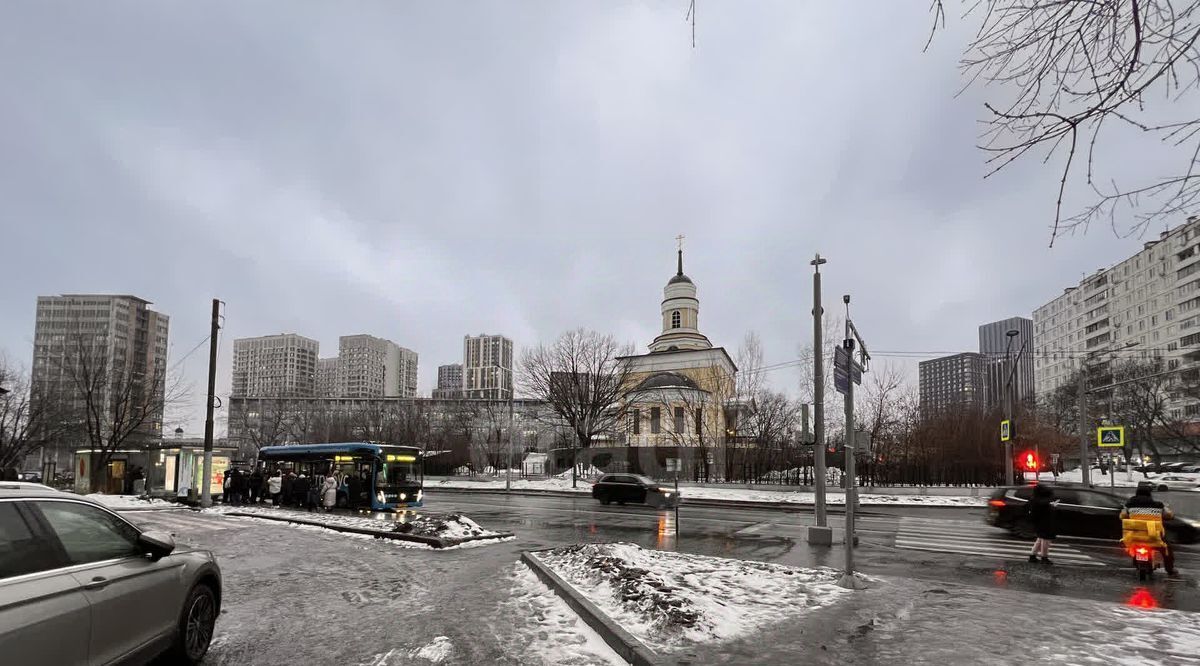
{"points": [[1143, 541]]}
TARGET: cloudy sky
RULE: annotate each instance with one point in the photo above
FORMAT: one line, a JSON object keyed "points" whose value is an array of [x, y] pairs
{"points": [[421, 171]]}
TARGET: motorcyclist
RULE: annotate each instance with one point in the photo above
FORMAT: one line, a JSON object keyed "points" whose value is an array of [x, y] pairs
{"points": [[1142, 506]]}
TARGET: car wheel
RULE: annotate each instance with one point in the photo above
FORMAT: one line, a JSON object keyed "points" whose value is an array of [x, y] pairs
{"points": [[604, 500], [1163, 489], [196, 626]]}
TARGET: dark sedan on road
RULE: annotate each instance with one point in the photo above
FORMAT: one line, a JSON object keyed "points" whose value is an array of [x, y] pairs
{"points": [[1079, 512], [635, 489], [81, 585]]}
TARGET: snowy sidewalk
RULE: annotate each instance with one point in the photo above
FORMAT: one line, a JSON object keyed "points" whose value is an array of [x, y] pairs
{"points": [[767, 497], [905, 621], [134, 503]]}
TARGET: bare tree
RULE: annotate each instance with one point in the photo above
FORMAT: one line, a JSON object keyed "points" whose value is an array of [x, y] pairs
{"points": [[582, 378], [117, 403], [264, 423], [27, 423], [771, 423], [1077, 71]]}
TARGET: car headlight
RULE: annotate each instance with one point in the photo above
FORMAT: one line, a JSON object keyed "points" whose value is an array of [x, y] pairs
{"points": [[379, 496], [666, 494], [420, 494], [403, 496]]}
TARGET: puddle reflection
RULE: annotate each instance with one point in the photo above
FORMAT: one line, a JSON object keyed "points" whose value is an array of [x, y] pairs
{"points": [[1142, 598]]}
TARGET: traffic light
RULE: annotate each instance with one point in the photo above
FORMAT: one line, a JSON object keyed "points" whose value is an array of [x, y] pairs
{"points": [[1030, 461]]}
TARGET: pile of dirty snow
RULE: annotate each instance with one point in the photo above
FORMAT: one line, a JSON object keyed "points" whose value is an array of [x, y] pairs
{"points": [[119, 502], [673, 600], [447, 527]]}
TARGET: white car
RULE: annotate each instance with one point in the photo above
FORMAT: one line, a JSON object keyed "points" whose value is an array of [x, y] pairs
{"points": [[1175, 482], [23, 485]]}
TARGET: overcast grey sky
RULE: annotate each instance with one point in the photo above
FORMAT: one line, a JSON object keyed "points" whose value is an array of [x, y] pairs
{"points": [[421, 171]]}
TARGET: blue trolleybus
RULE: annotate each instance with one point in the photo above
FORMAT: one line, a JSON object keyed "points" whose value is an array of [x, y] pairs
{"points": [[378, 477]]}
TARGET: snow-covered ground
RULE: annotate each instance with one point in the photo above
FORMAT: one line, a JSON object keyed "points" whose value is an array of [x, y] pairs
{"points": [[674, 600], [125, 502], [448, 527], [715, 493], [535, 627]]}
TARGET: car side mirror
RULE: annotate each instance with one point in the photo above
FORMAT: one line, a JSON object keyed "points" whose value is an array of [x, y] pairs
{"points": [[156, 544]]}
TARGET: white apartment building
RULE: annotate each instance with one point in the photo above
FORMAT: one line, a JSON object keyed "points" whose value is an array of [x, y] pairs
{"points": [[487, 367], [1143, 308], [371, 367], [275, 366]]}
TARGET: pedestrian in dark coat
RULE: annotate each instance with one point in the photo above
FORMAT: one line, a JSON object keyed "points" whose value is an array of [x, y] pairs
{"points": [[1041, 514], [300, 488], [287, 489], [256, 486]]}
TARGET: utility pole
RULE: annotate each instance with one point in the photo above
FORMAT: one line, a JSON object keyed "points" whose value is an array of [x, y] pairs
{"points": [[849, 580], [206, 484], [508, 466], [1081, 388], [819, 533], [1009, 370]]}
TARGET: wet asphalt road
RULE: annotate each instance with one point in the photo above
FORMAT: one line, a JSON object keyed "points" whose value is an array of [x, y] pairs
{"points": [[314, 596]]}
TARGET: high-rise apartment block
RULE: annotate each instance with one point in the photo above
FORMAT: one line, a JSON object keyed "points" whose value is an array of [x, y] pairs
{"points": [[487, 367], [371, 367], [450, 382], [1144, 308], [273, 366], [115, 343], [327, 377], [952, 382], [1008, 359]]}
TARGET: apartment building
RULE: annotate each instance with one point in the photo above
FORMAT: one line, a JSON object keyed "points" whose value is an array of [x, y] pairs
{"points": [[1007, 349], [450, 382], [269, 366], [116, 340], [371, 367], [487, 367], [952, 382], [327, 369], [1145, 307]]}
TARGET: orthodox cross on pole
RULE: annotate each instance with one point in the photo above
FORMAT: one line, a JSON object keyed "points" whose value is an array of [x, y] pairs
{"points": [[679, 238]]}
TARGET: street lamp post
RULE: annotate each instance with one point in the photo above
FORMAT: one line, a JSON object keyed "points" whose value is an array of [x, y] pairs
{"points": [[1008, 407]]}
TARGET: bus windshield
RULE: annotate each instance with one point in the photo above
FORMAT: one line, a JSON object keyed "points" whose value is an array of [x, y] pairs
{"points": [[397, 469]]}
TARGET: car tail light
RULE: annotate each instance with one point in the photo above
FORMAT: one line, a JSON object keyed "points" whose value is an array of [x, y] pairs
{"points": [[996, 503]]}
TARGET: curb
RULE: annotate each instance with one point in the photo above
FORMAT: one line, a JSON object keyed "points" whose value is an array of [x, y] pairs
{"points": [[621, 641], [710, 503], [432, 542]]}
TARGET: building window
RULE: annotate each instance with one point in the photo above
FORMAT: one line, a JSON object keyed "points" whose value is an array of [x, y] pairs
{"points": [[675, 319], [699, 421], [680, 420], [635, 421], [655, 420]]}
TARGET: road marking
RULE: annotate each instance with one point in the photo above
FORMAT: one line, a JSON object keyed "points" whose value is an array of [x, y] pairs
{"points": [[189, 523], [966, 538]]}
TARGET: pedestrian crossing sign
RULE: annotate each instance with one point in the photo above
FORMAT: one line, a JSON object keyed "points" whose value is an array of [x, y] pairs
{"points": [[1005, 430], [1113, 436]]}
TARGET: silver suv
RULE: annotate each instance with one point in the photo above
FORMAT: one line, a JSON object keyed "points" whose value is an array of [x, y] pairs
{"points": [[79, 584]]}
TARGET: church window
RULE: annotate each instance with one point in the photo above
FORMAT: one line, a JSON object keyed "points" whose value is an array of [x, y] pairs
{"points": [[676, 319], [680, 420], [635, 421], [699, 420], [655, 419]]}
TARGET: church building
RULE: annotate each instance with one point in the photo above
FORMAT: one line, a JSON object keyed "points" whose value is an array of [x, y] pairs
{"points": [[681, 397]]}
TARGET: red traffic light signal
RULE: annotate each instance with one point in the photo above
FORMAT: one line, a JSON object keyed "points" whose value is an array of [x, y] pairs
{"points": [[1030, 461]]}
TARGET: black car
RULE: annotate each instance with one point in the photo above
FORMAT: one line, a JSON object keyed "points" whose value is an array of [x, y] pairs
{"points": [[1079, 512], [634, 488]]}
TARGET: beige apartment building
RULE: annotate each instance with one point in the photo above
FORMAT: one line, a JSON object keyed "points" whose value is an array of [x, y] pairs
{"points": [[283, 365]]}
